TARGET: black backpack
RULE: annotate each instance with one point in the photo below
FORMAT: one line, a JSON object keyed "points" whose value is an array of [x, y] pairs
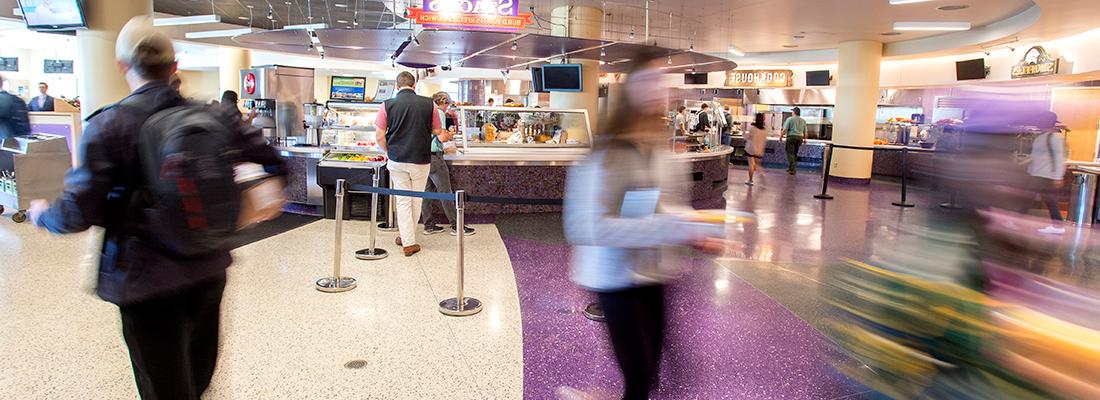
{"points": [[191, 200]]}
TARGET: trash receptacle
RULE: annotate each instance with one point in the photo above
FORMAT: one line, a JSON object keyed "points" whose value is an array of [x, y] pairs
{"points": [[1082, 202]]}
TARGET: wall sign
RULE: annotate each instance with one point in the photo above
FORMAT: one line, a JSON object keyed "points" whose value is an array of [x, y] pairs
{"points": [[250, 83], [9, 64], [58, 67], [498, 15], [760, 78], [1036, 62]]}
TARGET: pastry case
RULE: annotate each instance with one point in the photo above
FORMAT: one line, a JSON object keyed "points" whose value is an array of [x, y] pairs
{"points": [[522, 128], [349, 124]]}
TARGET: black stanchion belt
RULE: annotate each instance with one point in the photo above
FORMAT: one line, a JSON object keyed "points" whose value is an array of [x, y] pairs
{"points": [[450, 197]]}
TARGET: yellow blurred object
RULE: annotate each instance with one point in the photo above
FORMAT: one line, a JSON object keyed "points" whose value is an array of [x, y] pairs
{"points": [[490, 133]]}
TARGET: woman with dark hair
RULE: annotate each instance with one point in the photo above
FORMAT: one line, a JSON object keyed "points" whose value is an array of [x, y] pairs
{"points": [[622, 205], [230, 97], [755, 141]]}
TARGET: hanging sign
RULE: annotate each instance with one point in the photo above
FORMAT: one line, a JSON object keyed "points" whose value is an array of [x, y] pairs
{"points": [[760, 78], [1036, 62], [497, 15], [57, 66], [9, 64]]}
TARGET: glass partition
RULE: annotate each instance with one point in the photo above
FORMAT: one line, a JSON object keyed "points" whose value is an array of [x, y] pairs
{"points": [[518, 127]]}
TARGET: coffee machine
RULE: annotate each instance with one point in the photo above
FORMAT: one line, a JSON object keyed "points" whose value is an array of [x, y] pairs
{"points": [[314, 123], [277, 94]]}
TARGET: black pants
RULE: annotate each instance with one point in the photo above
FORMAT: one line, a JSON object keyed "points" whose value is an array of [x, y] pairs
{"points": [[636, 324], [793, 144], [439, 180], [173, 341], [1048, 192]]}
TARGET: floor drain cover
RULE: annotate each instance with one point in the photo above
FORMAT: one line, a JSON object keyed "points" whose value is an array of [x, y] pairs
{"points": [[355, 364]]}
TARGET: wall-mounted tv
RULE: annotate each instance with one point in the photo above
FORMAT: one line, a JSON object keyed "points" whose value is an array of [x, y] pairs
{"points": [[536, 81], [53, 15], [348, 89], [696, 79], [970, 69], [562, 78], [819, 78]]}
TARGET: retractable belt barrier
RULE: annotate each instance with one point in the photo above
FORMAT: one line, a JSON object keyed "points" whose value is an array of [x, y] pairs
{"points": [[905, 150], [458, 306]]}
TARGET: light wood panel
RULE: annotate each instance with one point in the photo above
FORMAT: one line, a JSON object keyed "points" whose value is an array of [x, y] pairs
{"points": [[1079, 109]]}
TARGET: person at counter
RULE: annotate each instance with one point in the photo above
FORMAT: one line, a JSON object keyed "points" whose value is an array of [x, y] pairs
{"points": [[727, 125], [43, 102], [439, 176], [702, 124], [406, 123], [794, 131], [13, 115], [1047, 169], [680, 122]]}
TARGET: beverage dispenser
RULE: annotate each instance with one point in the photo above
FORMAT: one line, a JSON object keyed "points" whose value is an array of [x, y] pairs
{"points": [[277, 94]]}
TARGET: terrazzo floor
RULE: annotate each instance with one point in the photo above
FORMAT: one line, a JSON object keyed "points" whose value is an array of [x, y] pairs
{"points": [[740, 326]]}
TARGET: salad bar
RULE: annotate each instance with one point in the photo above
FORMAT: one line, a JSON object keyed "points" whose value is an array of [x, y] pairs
{"points": [[356, 165]]}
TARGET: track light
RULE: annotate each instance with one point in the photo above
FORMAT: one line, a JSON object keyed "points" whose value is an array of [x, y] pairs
{"points": [[515, 46], [632, 33], [669, 60], [603, 53], [412, 38]]}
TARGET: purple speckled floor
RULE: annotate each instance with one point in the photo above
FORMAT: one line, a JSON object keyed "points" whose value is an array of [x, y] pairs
{"points": [[727, 340]]}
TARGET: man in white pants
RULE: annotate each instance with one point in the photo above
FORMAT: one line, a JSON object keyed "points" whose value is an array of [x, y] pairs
{"points": [[405, 126]]}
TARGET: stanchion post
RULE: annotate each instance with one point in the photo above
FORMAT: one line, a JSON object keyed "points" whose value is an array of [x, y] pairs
{"points": [[460, 305], [373, 252], [337, 283], [391, 209], [904, 179], [825, 172]]}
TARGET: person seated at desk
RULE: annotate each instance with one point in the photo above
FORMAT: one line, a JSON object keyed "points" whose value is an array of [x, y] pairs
{"points": [[42, 102]]}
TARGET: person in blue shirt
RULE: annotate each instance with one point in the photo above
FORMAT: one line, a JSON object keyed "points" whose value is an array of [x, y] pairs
{"points": [[794, 130]]}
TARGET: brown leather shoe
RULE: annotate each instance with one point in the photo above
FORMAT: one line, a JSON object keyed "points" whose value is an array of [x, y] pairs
{"points": [[398, 241], [410, 250]]}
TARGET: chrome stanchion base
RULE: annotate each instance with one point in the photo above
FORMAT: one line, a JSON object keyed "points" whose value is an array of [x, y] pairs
{"points": [[385, 227], [450, 307], [594, 312], [823, 197], [371, 254], [331, 285], [903, 205]]}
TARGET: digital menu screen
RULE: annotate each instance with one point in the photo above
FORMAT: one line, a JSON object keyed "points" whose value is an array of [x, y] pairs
{"points": [[52, 14], [348, 89]]}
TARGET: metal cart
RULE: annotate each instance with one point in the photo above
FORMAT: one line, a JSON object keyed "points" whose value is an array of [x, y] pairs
{"points": [[32, 167]]}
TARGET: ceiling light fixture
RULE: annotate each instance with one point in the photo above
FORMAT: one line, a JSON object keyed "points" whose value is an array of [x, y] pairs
{"points": [[340, 5], [306, 26], [515, 46], [931, 26], [191, 20], [900, 2], [736, 51], [218, 33], [669, 60], [632, 33], [603, 53]]}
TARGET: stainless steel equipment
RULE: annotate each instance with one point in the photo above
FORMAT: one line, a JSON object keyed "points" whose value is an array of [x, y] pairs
{"points": [[278, 94], [1082, 205], [314, 123]]}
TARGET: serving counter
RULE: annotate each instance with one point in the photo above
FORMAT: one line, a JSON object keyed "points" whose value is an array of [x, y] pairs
{"points": [[887, 158]]}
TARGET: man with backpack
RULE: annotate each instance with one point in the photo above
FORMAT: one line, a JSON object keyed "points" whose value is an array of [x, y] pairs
{"points": [[157, 175]]}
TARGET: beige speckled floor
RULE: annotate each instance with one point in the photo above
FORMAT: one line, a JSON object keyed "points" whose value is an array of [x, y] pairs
{"points": [[280, 337]]}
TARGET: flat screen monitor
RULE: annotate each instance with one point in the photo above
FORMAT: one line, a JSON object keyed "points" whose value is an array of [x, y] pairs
{"points": [[819, 78], [970, 69], [52, 15], [536, 81], [562, 77], [696, 79], [348, 89]]}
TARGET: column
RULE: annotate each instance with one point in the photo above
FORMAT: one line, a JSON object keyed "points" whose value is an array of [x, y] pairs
{"points": [[857, 93], [231, 61], [99, 81], [586, 23]]}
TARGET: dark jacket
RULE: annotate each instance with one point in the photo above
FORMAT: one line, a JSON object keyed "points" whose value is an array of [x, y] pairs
{"points": [[46, 107], [97, 192], [409, 127], [13, 116]]}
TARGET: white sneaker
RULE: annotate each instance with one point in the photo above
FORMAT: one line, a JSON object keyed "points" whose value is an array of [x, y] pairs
{"points": [[1053, 230]]}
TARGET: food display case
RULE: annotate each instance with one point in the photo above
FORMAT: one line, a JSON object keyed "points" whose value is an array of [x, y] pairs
{"points": [[484, 129], [349, 124], [357, 165]]}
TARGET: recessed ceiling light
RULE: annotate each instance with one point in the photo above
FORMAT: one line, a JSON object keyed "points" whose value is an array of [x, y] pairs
{"points": [[897, 2], [341, 21], [790, 46], [340, 5], [931, 26], [736, 51], [243, 18], [953, 8], [891, 33]]}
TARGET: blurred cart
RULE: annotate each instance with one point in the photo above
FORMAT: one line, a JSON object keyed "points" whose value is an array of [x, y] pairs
{"points": [[32, 167]]}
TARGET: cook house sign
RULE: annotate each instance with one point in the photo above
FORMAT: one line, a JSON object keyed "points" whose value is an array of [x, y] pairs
{"points": [[497, 15], [1036, 62], [760, 78]]}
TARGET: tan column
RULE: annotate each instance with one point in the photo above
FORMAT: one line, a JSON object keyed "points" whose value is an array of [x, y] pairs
{"points": [[98, 79], [231, 61], [857, 92], [586, 23]]}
